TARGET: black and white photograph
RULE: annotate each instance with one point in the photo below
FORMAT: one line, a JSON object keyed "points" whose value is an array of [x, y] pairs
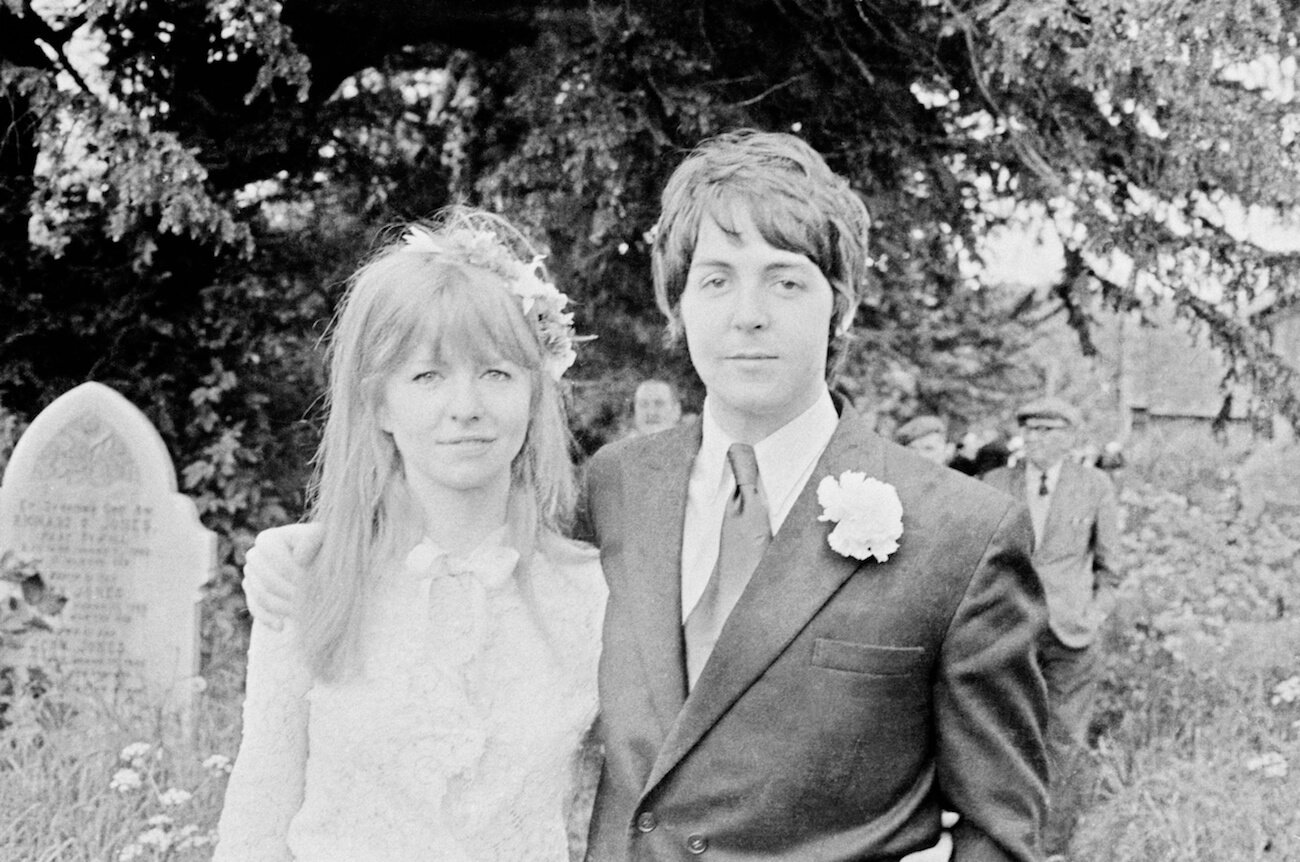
{"points": [[628, 431]]}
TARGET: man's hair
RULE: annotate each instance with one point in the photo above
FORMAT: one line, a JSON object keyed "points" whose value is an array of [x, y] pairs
{"points": [[658, 381], [795, 200]]}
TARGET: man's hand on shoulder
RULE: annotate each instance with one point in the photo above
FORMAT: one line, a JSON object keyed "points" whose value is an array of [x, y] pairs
{"points": [[274, 569]]}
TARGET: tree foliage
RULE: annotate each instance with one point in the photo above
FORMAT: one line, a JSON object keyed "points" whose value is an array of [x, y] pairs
{"points": [[186, 185]]}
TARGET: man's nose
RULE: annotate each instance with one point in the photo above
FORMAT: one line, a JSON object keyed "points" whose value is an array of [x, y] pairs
{"points": [[750, 310]]}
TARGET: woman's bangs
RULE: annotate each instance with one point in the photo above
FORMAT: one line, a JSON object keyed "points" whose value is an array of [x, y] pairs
{"points": [[474, 317]]}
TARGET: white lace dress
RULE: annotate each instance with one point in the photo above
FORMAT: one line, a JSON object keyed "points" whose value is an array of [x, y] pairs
{"points": [[456, 743]]}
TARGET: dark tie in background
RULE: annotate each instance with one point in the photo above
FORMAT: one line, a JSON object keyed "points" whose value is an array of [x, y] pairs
{"points": [[746, 533], [1043, 490]]}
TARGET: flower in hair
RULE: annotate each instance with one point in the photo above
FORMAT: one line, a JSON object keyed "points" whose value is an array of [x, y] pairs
{"points": [[541, 301]]}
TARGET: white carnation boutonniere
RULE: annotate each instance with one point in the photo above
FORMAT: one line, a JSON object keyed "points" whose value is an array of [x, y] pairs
{"points": [[867, 513]]}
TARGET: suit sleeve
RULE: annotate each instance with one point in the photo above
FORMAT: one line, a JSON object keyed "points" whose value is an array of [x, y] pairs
{"points": [[991, 704], [1105, 540]]}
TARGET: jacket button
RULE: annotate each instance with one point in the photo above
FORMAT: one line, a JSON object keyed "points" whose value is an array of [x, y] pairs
{"points": [[646, 821], [697, 844]]}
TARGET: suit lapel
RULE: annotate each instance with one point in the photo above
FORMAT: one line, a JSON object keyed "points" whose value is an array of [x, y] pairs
{"points": [[655, 495], [797, 575]]}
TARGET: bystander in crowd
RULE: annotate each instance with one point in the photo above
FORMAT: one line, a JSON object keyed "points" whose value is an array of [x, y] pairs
{"points": [[656, 406], [927, 436], [1076, 540]]}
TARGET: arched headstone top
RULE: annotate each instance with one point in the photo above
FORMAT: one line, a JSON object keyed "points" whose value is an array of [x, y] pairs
{"points": [[93, 437], [91, 493]]}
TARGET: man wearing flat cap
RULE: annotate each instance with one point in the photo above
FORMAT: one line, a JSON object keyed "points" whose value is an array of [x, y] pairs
{"points": [[927, 436], [1076, 539]]}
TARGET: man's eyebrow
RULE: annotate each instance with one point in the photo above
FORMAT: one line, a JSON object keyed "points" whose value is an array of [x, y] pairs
{"points": [[714, 262], [798, 263]]}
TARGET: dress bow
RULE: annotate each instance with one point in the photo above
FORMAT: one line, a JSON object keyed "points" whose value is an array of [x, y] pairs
{"points": [[490, 564], [456, 589]]}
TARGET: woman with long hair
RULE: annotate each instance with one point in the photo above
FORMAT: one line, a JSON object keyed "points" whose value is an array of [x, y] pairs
{"points": [[428, 699]]}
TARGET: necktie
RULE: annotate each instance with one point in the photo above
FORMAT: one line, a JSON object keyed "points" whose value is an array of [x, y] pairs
{"points": [[1043, 490], [746, 533]]}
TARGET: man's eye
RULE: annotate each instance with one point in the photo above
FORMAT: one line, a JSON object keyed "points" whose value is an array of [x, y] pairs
{"points": [[712, 282], [498, 374], [427, 376], [788, 285]]}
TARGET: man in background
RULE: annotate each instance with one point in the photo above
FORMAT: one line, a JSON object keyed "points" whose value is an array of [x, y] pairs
{"points": [[927, 436], [655, 407], [1076, 540]]}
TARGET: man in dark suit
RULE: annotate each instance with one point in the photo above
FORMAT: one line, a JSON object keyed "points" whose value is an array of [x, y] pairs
{"points": [[836, 697], [1076, 528]]}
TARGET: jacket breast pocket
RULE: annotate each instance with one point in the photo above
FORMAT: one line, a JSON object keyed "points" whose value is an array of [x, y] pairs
{"points": [[871, 659]]}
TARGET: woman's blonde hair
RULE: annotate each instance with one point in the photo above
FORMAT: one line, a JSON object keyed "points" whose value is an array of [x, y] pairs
{"points": [[406, 295]]}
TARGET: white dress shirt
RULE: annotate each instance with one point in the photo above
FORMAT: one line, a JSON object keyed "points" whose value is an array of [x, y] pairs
{"points": [[786, 459], [1039, 504]]}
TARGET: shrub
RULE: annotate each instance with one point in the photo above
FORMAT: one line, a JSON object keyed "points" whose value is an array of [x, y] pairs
{"points": [[1197, 720]]}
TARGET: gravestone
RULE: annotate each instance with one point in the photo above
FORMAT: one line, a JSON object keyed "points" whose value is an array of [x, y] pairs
{"points": [[91, 491]]}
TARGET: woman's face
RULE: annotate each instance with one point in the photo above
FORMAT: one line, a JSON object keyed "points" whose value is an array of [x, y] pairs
{"points": [[458, 422]]}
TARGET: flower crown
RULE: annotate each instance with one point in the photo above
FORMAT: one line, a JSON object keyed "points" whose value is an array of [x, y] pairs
{"points": [[542, 303]]}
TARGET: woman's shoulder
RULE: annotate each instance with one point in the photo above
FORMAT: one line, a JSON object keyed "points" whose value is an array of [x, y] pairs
{"points": [[559, 550], [573, 560]]}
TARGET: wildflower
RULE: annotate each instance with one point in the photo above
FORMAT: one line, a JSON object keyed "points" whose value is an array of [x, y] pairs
{"points": [[135, 751], [1271, 765], [125, 780], [218, 763], [129, 852], [156, 837], [191, 837], [160, 820], [1287, 691], [174, 796]]}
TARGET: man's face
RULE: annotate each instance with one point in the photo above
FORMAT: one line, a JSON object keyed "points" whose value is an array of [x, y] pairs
{"points": [[655, 407], [757, 321], [1046, 443], [932, 447]]}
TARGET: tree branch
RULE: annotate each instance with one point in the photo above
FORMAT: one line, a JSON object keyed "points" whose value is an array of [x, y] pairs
{"points": [[1030, 156], [57, 40], [769, 91]]}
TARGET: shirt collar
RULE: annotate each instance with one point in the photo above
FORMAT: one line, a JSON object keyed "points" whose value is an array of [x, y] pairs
{"points": [[1053, 472], [783, 456]]}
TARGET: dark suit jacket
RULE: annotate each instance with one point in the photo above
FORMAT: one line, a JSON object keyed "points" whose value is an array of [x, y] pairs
{"points": [[1076, 556], [846, 702]]}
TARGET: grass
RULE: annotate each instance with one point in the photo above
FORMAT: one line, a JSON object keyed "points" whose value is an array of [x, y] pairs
{"points": [[59, 803], [1197, 732]]}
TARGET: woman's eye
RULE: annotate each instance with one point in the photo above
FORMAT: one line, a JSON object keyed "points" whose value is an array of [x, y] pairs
{"points": [[430, 376], [497, 374], [712, 282]]}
